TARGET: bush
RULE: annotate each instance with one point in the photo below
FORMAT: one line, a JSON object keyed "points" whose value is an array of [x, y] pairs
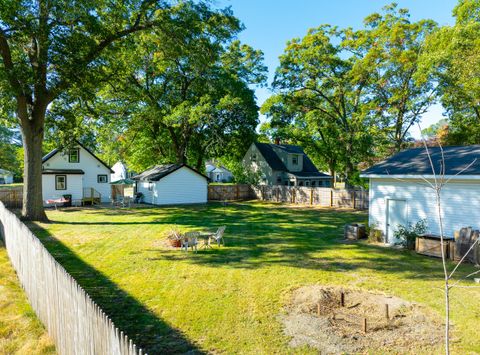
{"points": [[408, 234]]}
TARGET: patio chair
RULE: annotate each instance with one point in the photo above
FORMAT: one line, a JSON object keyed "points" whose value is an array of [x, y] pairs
{"points": [[190, 239], [218, 236]]}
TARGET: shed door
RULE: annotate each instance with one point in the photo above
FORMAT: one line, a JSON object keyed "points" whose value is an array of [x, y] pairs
{"points": [[396, 215]]}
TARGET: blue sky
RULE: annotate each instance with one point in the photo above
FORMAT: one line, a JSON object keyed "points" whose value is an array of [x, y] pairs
{"points": [[271, 23]]}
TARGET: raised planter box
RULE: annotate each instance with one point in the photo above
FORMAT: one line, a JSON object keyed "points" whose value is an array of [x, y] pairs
{"points": [[354, 231], [430, 244]]}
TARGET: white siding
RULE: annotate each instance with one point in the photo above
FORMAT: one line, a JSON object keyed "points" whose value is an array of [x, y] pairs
{"points": [[183, 186], [74, 187], [460, 202], [119, 172], [90, 165]]}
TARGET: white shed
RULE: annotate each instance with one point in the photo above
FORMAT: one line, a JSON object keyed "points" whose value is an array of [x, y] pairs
{"points": [[400, 194], [6, 177], [172, 184]]}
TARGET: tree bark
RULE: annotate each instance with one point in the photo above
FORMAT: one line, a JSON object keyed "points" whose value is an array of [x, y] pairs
{"points": [[32, 132]]}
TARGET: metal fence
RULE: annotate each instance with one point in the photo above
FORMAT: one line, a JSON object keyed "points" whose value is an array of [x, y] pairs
{"points": [[318, 196], [74, 322]]}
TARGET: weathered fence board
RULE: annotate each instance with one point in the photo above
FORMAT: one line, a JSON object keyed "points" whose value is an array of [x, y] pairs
{"points": [[75, 323], [12, 197], [229, 192], [319, 196]]}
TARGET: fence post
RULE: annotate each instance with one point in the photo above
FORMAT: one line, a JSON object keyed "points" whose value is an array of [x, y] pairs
{"points": [[331, 197], [354, 199], [311, 196]]}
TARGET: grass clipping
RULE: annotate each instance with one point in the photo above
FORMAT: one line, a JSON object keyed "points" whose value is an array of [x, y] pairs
{"points": [[316, 318]]}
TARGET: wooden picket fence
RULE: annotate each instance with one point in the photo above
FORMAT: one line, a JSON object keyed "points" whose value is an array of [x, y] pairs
{"points": [[12, 197], [315, 196], [75, 323]]}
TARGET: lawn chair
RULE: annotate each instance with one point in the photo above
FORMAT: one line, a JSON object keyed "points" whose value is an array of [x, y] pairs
{"points": [[190, 239], [218, 236]]}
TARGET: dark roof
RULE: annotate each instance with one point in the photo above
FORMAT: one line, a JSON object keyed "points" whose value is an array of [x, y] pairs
{"points": [[56, 150], [309, 174], [268, 152], [415, 162], [63, 171], [160, 171]]}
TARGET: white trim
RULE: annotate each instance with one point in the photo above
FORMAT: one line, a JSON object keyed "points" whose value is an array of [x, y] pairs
{"points": [[406, 176]]}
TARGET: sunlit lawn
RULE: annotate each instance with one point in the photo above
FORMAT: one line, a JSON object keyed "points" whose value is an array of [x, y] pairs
{"points": [[228, 299], [20, 330]]}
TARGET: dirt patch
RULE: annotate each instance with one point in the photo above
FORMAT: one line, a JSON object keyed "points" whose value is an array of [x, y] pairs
{"points": [[315, 317]]}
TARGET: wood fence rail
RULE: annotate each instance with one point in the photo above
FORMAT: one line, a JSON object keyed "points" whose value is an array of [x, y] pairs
{"points": [[318, 196], [12, 197], [75, 323]]}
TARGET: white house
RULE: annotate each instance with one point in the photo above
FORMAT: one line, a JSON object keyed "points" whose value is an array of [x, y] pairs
{"points": [[120, 172], [172, 184], [218, 173], [400, 191], [6, 177], [75, 171]]}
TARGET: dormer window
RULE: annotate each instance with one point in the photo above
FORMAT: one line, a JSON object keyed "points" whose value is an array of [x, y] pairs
{"points": [[254, 157], [295, 160], [74, 155]]}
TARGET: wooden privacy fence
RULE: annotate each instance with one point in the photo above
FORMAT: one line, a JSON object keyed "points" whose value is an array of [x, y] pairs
{"points": [[75, 323], [319, 196], [230, 192], [12, 197]]}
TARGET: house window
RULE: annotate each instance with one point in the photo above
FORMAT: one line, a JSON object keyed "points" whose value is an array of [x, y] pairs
{"points": [[279, 179], [102, 179], [60, 182], [254, 157], [313, 183], [307, 183], [300, 183], [150, 186], [74, 155], [295, 160]]}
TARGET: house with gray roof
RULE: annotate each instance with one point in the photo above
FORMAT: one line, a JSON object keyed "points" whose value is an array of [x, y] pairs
{"points": [[284, 164], [400, 191], [172, 184]]}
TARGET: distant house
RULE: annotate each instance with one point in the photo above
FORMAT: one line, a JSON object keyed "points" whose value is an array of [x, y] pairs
{"points": [[6, 177], [399, 195], [284, 164], [172, 184], [121, 172], [218, 173], [77, 172]]}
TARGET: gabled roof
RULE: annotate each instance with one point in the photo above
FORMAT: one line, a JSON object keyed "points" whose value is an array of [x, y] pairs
{"points": [[160, 171], [273, 160], [57, 150], [415, 162]]}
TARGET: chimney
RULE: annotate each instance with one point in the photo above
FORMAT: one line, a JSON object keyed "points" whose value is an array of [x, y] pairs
{"points": [[277, 141]]}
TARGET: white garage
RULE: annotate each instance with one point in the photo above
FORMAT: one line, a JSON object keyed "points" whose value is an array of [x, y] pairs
{"points": [[172, 184], [399, 194]]}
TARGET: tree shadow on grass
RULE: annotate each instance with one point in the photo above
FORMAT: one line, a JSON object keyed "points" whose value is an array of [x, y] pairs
{"points": [[145, 329]]}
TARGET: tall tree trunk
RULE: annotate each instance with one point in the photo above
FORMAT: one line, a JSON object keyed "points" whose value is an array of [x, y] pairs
{"points": [[32, 133], [331, 167]]}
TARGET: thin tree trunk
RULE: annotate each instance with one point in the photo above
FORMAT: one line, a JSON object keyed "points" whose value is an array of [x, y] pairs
{"points": [[32, 132]]}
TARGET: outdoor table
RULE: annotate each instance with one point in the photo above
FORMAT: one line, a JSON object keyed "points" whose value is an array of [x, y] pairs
{"points": [[207, 237]]}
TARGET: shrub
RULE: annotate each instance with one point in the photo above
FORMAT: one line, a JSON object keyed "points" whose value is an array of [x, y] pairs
{"points": [[408, 234]]}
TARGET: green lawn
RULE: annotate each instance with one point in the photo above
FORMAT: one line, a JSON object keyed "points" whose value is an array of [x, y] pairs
{"points": [[20, 330], [228, 300]]}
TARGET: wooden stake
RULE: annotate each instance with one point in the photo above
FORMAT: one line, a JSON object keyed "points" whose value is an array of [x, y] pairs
{"points": [[318, 309], [342, 299], [387, 315], [365, 325]]}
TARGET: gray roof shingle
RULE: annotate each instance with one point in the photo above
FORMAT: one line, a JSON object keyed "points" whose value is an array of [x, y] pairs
{"points": [[160, 171], [415, 162]]}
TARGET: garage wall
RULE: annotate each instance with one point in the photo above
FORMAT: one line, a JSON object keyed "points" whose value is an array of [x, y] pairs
{"points": [[460, 202], [74, 187], [180, 187]]}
